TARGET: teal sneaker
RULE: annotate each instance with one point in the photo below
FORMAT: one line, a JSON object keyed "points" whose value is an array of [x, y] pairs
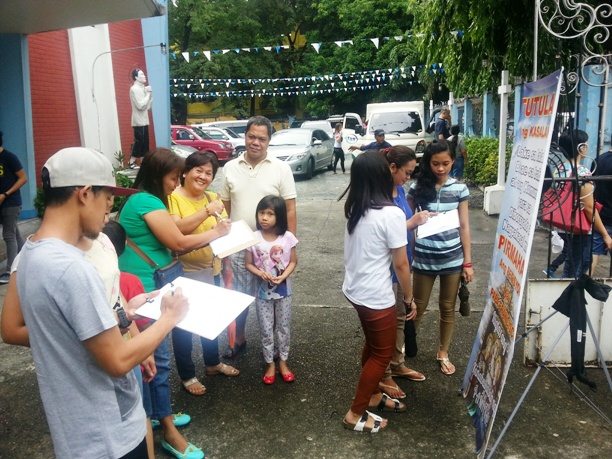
{"points": [[178, 419], [191, 452]]}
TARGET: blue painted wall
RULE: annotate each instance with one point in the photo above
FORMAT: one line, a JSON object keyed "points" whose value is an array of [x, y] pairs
{"points": [[155, 31], [467, 127], [518, 105], [588, 109], [490, 115], [16, 111]]}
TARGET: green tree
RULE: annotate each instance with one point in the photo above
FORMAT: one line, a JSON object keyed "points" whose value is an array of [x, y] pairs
{"points": [[196, 25], [476, 39]]}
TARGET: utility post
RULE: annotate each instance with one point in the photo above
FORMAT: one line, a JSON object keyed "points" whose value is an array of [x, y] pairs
{"points": [[494, 194]]}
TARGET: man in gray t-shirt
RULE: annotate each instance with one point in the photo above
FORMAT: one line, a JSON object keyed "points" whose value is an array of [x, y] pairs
{"points": [[83, 365], [71, 299]]}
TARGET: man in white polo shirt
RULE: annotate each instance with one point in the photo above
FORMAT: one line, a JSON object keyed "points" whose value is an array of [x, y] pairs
{"points": [[246, 180]]}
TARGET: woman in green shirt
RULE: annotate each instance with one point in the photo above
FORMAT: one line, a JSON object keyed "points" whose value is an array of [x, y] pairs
{"points": [[149, 225]]}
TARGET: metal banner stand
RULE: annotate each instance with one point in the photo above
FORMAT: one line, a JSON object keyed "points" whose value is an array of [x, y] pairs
{"points": [[540, 366]]}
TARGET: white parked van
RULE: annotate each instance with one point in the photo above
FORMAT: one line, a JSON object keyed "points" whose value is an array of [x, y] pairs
{"points": [[403, 122]]}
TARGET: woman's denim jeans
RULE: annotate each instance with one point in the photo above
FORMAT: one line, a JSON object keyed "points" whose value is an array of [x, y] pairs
{"points": [[156, 394]]}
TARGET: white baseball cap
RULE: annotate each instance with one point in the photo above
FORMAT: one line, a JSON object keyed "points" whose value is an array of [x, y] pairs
{"points": [[82, 166]]}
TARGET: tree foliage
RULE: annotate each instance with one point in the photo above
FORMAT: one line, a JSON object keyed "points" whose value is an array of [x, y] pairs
{"points": [[223, 24], [476, 39]]}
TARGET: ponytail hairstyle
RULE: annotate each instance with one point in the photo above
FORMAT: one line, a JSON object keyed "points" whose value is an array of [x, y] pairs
{"points": [[370, 187], [452, 145], [425, 190], [570, 143], [399, 155]]}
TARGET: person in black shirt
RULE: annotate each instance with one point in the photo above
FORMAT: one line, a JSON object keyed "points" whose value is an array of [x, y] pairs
{"points": [[12, 177], [442, 129], [603, 195]]}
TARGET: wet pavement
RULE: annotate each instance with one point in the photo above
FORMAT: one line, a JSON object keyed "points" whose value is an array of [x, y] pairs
{"points": [[242, 418]]}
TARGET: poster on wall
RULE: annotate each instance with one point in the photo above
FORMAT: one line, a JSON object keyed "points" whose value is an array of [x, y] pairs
{"points": [[493, 347]]}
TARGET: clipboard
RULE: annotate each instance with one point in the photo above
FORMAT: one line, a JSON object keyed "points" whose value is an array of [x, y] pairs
{"points": [[211, 308]]}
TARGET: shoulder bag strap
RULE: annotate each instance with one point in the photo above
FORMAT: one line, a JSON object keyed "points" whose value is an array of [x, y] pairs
{"points": [[141, 254]]}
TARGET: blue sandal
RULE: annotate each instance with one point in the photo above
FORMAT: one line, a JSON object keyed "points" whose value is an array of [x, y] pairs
{"points": [[178, 419], [191, 452]]}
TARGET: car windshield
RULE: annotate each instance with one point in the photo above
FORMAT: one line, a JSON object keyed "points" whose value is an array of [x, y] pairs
{"points": [[291, 137], [238, 129], [201, 133], [325, 125], [396, 122], [231, 133], [217, 135]]}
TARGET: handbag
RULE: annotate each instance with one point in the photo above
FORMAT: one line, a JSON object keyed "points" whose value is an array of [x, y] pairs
{"points": [[410, 342], [464, 299], [161, 276], [561, 216]]}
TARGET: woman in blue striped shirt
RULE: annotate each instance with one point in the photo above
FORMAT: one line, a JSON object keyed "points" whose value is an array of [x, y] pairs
{"points": [[447, 254]]}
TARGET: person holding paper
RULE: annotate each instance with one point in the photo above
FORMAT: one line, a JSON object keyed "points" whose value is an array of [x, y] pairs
{"points": [[402, 162], [195, 211], [447, 254], [273, 260], [375, 239], [149, 225], [73, 334]]}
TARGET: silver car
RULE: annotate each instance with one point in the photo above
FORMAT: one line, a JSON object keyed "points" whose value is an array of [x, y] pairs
{"points": [[182, 150], [304, 149]]}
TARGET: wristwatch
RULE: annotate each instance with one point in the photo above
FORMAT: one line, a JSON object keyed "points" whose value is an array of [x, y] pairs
{"points": [[124, 322]]}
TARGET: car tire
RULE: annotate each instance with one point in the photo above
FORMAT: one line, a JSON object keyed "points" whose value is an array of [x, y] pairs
{"points": [[310, 169], [330, 166]]}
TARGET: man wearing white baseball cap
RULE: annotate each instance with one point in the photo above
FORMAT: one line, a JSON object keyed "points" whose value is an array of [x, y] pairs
{"points": [[83, 365]]}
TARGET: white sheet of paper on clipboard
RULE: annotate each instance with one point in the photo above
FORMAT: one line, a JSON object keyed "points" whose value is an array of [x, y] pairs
{"points": [[211, 308], [439, 223]]}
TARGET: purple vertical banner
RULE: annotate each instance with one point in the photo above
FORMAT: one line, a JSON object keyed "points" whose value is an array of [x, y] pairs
{"points": [[493, 347]]}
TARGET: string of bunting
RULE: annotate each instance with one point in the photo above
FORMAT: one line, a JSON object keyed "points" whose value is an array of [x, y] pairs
{"points": [[187, 55], [374, 75], [275, 92], [324, 84]]}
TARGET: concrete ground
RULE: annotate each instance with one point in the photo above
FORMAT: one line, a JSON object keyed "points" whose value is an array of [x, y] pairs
{"points": [[242, 418]]}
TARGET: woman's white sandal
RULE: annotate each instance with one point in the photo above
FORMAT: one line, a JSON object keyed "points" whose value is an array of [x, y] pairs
{"points": [[360, 426]]}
